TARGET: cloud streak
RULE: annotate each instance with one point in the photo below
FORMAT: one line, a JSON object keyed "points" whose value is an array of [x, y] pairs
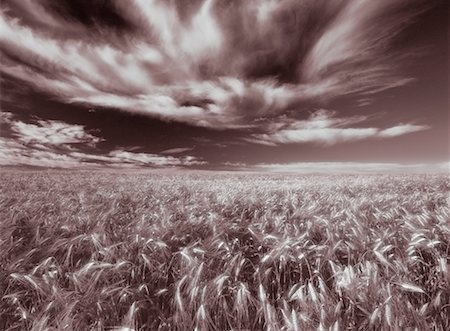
{"points": [[208, 63], [352, 48], [177, 150], [324, 128]]}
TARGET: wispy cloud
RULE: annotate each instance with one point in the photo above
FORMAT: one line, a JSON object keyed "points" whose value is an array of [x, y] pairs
{"points": [[177, 150], [54, 133], [401, 129], [209, 64], [351, 51], [324, 128], [119, 156], [57, 144]]}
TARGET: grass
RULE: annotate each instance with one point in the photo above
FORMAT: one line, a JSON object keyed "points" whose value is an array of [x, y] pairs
{"points": [[111, 251]]}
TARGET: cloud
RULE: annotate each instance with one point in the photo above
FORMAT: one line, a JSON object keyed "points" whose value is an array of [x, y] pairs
{"points": [[52, 133], [208, 63], [345, 167], [401, 129], [351, 49], [196, 37], [240, 166], [324, 128], [177, 150], [56, 144], [120, 156]]}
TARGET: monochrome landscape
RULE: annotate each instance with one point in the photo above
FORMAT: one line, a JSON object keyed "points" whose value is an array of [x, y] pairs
{"points": [[224, 165]]}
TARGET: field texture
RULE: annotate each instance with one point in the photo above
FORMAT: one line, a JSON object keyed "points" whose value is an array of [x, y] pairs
{"points": [[102, 251]]}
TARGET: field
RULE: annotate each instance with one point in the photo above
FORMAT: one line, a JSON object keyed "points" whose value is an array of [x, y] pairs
{"points": [[220, 251]]}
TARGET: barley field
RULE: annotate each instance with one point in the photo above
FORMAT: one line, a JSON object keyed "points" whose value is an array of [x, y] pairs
{"points": [[223, 251]]}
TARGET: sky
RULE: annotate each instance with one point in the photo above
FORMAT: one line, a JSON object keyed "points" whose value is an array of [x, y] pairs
{"points": [[263, 85]]}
